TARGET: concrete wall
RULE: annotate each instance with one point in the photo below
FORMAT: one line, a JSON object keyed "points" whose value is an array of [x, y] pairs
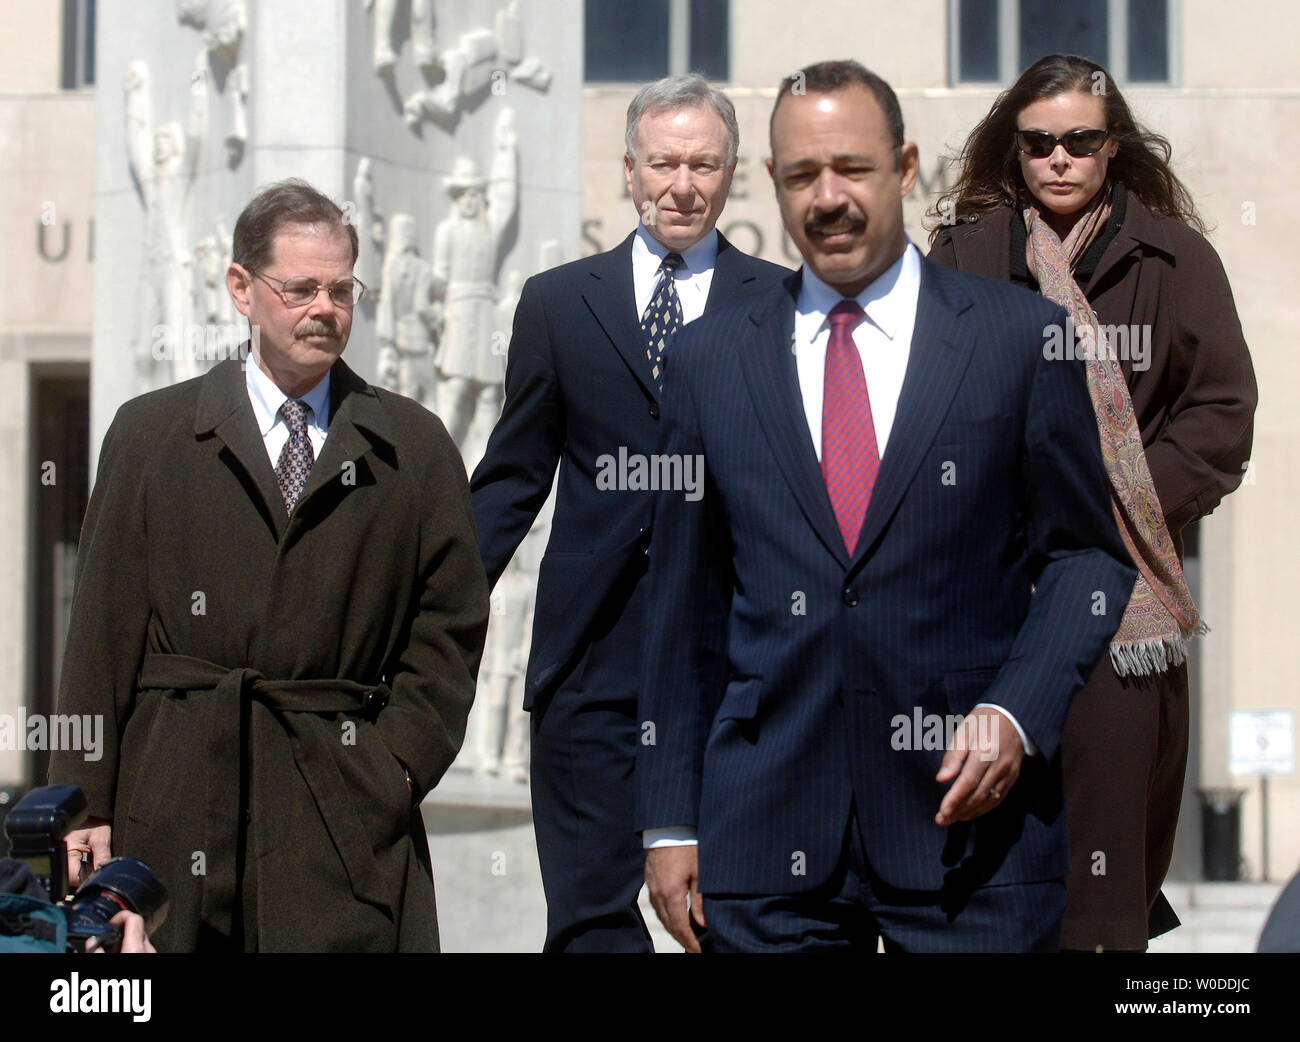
{"points": [[46, 223]]}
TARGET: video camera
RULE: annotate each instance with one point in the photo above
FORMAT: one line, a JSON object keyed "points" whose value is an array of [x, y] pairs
{"points": [[37, 828]]}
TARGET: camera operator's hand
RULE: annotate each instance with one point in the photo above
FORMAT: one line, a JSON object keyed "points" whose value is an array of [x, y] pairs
{"points": [[134, 940], [95, 838]]}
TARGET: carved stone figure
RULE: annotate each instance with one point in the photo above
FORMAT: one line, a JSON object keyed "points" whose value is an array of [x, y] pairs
{"points": [[482, 58], [497, 739], [370, 229], [466, 251], [423, 43], [215, 323], [193, 13], [407, 318], [164, 163], [384, 24], [224, 24]]}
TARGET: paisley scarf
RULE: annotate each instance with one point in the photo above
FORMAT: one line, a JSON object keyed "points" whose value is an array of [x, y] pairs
{"points": [[1161, 615]]}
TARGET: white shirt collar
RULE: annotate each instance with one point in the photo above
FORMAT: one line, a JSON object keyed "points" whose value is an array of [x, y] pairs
{"points": [[267, 398], [648, 252], [889, 301]]}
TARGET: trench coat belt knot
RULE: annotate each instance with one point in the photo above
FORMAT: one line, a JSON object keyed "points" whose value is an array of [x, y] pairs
{"points": [[176, 675]]}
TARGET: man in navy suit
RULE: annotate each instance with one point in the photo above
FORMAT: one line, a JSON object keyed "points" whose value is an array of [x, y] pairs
{"points": [[590, 345], [905, 547]]}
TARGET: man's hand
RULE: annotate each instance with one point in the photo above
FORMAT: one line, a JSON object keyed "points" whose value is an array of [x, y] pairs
{"points": [[134, 940], [95, 838], [985, 759], [673, 876]]}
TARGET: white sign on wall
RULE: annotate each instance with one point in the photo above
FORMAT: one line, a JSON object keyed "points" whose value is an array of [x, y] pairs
{"points": [[1262, 741]]}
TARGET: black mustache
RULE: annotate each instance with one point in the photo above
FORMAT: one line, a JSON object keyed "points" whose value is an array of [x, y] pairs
{"points": [[816, 224]]}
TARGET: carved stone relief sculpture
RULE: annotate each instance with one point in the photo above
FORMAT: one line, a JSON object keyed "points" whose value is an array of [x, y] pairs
{"points": [[370, 230], [407, 317], [466, 251], [216, 329], [384, 20], [480, 58], [496, 742], [224, 24], [164, 164]]}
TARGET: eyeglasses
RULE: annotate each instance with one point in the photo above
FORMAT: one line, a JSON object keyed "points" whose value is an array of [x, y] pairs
{"points": [[300, 291], [1039, 144]]}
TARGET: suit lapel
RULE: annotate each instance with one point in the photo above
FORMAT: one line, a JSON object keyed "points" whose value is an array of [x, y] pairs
{"points": [[611, 298], [936, 364], [355, 413], [224, 410], [773, 379], [731, 275]]}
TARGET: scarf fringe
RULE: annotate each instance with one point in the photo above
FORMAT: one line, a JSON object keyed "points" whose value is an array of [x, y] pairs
{"points": [[1146, 658]]}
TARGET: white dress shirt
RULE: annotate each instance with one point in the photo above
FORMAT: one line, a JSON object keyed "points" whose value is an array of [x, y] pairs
{"points": [[691, 280], [267, 399], [884, 342]]}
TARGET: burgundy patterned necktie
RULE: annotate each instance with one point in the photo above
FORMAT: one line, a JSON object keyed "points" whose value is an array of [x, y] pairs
{"points": [[296, 457], [850, 460]]}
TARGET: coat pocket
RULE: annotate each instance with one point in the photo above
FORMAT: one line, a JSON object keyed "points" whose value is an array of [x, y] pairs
{"points": [[377, 780]]}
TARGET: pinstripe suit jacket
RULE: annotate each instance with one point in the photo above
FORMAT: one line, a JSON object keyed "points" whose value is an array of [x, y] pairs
{"points": [[992, 486]]}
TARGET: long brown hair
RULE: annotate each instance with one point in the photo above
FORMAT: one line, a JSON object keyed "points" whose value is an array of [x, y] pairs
{"points": [[990, 168]]}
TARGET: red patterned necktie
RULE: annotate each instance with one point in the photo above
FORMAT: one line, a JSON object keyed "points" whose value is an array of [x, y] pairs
{"points": [[296, 457], [850, 460]]}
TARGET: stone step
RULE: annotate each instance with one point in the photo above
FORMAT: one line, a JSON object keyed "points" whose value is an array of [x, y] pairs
{"points": [[1222, 895], [1217, 917]]}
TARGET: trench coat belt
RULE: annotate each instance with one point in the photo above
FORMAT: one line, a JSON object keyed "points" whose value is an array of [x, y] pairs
{"points": [[312, 751]]}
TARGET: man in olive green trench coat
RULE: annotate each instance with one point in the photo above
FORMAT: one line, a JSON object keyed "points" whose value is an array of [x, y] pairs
{"points": [[279, 689]]}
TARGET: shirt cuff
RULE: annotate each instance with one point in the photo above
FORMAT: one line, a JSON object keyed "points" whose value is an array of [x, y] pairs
{"points": [[1030, 748], [670, 836]]}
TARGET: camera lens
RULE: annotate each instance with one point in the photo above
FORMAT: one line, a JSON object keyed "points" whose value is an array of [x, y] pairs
{"points": [[121, 884]]}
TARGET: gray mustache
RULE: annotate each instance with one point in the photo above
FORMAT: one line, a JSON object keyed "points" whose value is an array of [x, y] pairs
{"points": [[314, 328]]}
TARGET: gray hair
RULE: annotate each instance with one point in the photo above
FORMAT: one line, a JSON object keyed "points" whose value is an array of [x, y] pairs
{"points": [[682, 92]]}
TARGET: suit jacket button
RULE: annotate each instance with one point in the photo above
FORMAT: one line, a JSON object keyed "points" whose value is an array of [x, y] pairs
{"points": [[654, 410], [850, 596]]}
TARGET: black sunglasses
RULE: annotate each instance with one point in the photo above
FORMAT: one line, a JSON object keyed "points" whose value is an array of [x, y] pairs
{"points": [[1039, 144]]}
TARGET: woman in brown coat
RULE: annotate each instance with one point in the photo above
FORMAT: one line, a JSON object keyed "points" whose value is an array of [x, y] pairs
{"points": [[1061, 191]]}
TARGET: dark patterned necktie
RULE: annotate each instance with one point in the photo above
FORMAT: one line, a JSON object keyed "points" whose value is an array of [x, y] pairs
{"points": [[296, 457], [850, 459], [662, 318]]}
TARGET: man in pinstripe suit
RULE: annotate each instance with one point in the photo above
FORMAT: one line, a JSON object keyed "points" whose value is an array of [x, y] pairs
{"points": [[905, 521]]}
